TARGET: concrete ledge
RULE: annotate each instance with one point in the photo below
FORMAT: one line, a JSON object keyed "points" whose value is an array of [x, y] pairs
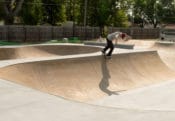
{"points": [[124, 46]]}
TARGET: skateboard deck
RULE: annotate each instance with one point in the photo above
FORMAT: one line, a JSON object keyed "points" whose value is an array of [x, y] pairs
{"points": [[106, 57]]}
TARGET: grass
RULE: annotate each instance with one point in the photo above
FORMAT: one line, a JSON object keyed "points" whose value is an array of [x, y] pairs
{"points": [[3, 43], [65, 40]]}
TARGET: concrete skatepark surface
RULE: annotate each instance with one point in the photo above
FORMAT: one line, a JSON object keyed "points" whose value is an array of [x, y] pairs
{"points": [[127, 87], [20, 52], [89, 78], [166, 50]]}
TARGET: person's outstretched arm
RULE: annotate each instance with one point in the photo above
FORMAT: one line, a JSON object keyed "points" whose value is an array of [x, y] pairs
{"points": [[127, 37]]}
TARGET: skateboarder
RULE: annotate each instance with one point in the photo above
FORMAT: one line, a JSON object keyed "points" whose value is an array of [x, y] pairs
{"points": [[113, 38]]}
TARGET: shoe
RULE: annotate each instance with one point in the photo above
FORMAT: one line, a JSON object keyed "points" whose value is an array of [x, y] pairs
{"points": [[103, 52]]}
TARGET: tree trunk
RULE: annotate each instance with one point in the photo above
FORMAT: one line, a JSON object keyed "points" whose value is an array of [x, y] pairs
{"points": [[12, 11], [102, 31], [155, 25], [9, 19]]}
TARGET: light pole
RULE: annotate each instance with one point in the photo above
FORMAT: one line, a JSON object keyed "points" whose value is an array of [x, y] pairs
{"points": [[73, 10], [85, 16]]}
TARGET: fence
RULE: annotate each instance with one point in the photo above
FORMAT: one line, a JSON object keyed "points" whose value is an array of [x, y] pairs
{"points": [[45, 33]]}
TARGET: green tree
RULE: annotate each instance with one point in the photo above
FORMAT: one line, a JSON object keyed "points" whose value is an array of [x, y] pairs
{"points": [[74, 9], [119, 13], [32, 12], [154, 12], [104, 13], [11, 10], [119, 19], [139, 9], [167, 11], [54, 11], [80, 16], [2, 13]]}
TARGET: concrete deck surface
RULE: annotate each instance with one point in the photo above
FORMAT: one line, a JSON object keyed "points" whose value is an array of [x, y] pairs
{"points": [[19, 103]]}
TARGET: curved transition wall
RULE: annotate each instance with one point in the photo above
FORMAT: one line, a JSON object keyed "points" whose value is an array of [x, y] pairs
{"points": [[90, 78], [44, 51], [165, 49], [166, 52]]}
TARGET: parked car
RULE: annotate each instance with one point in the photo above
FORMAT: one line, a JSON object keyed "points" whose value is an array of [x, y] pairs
{"points": [[167, 35]]}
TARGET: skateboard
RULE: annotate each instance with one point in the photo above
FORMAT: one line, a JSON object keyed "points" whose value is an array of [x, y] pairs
{"points": [[105, 56]]}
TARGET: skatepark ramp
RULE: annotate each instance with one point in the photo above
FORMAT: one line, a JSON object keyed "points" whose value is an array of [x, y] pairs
{"points": [[33, 51], [166, 51], [90, 78]]}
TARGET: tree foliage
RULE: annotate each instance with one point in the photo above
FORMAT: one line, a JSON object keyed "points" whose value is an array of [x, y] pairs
{"points": [[32, 13], [99, 12], [167, 11], [11, 9], [2, 12], [54, 11]]}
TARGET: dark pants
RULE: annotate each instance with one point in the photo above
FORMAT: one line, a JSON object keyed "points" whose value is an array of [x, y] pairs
{"points": [[109, 45]]}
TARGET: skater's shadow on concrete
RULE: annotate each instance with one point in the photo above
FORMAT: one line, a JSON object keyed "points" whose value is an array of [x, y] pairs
{"points": [[104, 83]]}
